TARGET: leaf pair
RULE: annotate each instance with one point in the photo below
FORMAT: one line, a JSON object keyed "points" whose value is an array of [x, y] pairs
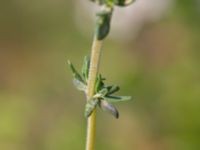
{"points": [[103, 96], [80, 81], [104, 99], [104, 105]]}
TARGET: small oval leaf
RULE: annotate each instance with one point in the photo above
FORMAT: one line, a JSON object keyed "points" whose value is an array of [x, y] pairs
{"points": [[90, 106], [103, 23], [123, 2], [114, 99], [109, 108], [75, 73]]}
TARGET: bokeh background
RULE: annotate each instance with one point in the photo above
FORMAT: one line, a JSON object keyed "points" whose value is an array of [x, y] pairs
{"points": [[152, 53]]}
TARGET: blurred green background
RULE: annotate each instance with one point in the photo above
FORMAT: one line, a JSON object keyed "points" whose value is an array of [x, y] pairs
{"points": [[41, 110]]}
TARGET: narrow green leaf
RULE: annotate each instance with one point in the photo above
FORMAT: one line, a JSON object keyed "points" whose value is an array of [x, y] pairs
{"points": [[114, 99], [79, 85], [109, 108], [90, 106], [113, 89], [75, 73], [99, 83], [85, 68]]}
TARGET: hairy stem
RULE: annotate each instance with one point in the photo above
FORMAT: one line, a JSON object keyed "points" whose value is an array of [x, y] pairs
{"points": [[94, 67]]}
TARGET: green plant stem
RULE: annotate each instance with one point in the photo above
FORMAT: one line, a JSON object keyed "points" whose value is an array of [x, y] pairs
{"points": [[94, 67]]}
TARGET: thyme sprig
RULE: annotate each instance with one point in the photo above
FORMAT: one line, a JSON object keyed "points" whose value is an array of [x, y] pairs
{"points": [[103, 96]]}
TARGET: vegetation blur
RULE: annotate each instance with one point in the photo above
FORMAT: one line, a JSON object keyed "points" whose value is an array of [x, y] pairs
{"points": [[158, 65]]}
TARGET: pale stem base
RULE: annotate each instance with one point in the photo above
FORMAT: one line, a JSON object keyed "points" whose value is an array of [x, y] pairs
{"points": [[94, 67]]}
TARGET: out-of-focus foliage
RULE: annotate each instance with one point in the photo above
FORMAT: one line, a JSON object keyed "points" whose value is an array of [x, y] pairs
{"points": [[40, 109]]}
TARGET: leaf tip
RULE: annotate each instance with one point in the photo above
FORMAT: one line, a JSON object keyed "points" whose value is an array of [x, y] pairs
{"points": [[69, 62], [129, 97], [117, 115]]}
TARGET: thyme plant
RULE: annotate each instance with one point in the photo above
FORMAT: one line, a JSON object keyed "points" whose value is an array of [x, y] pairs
{"points": [[90, 81]]}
